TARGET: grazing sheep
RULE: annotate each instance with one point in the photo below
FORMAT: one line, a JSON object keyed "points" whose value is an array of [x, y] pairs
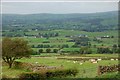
{"points": [[93, 61], [36, 62], [81, 63], [112, 59], [74, 61], [99, 59]]}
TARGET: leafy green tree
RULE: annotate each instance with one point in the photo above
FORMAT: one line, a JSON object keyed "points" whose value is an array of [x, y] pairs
{"points": [[40, 46], [13, 49], [85, 50], [114, 48], [55, 50], [65, 46], [103, 50], [48, 50], [33, 46], [40, 50], [81, 41]]}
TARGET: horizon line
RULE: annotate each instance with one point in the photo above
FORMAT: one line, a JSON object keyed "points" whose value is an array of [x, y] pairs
{"points": [[59, 13]]}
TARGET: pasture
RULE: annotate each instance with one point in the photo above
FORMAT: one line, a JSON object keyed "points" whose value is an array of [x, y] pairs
{"points": [[86, 68], [79, 61]]}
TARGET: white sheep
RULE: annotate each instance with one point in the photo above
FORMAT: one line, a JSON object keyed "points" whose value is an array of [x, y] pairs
{"points": [[81, 63], [99, 59], [112, 59], [36, 62], [74, 61]]}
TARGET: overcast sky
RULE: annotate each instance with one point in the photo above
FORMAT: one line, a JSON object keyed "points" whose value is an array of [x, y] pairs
{"points": [[58, 0], [57, 7]]}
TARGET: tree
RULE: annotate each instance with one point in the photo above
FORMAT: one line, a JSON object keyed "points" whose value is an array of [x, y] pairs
{"points": [[40, 46], [40, 50], [48, 50], [55, 50], [13, 49], [33, 46], [65, 46], [85, 50], [114, 48], [81, 41], [103, 49]]}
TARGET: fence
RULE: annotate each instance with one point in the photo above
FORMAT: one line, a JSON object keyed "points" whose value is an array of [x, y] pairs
{"points": [[105, 69]]}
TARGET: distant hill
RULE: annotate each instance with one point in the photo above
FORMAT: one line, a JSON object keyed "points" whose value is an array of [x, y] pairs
{"points": [[75, 21]]}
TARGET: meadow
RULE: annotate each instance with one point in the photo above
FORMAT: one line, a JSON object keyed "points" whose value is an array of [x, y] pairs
{"points": [[62, 39], [86, 68]]}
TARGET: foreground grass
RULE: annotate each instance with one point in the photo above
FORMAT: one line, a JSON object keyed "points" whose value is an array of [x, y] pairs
{"points": [[11, 73], [87, 69]]}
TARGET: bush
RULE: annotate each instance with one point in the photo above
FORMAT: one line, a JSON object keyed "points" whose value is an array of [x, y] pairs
{"points": [[48, 50], [103, 50], [5, 77], [46, 41], [40, 46], [48, 74], [40, 50], [32, 76], [85, 50], [62, 73], [55, 50], [22, 65]]}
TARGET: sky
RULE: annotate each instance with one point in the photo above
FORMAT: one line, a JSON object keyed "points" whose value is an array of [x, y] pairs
{"points": [[58, 0], [34, 7]]}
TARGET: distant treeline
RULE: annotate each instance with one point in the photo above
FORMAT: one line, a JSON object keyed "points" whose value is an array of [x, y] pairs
{"points": [[87, 22]]}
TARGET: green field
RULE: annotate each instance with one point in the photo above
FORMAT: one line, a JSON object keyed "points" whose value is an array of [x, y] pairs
{"points": [[86, 70], [62, 40]]}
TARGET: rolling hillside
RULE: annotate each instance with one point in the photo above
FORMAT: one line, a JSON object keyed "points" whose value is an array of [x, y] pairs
{"points": [[88, 22]]}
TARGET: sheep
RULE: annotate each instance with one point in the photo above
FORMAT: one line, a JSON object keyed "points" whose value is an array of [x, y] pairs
{"points": [[112, 59], [99, 59], [36, 62], [93, 61], [81, 63], [74, 61]]}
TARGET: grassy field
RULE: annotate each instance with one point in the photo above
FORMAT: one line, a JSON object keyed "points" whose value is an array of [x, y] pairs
{"points": [[87, 69], [57, 42], [72, 32], [61, 39]]}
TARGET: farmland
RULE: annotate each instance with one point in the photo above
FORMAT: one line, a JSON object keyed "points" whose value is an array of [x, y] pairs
{"points": [[86, 69], [61, 39], [91, 69], [75, 45], [51, 60]]}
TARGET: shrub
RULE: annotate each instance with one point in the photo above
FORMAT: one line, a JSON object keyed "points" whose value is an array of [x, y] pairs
{"points": [[85, 50], [22, 65], [40, 50], [5, 77], [48, 50], [32, 76], [103, 50], [46, 41], [55, 50], [48, 74], [40, 46], [61, 73]]}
